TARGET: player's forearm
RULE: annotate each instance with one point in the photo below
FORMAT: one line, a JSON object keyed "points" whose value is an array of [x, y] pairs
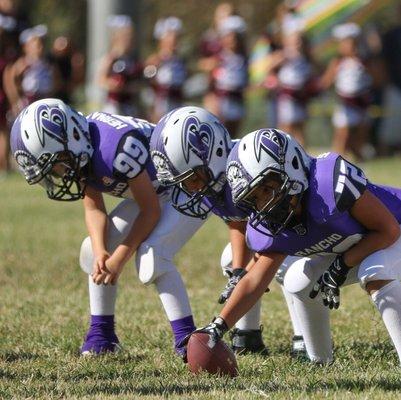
{"points": [[372, 242], [247, 292], [141, 229], [96, 223]]}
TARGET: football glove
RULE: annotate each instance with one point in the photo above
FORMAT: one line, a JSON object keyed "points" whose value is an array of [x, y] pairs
{"points": [[216, 329], [235, 277], [329, 283]]}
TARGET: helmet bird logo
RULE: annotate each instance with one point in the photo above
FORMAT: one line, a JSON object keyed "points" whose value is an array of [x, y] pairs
{"points": [[269, 141], [198, 138], [52, 122]]}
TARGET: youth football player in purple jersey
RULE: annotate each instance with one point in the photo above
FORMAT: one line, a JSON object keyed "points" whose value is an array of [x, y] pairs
{"points": [[189, 148], [76, 157], [324, 224]]}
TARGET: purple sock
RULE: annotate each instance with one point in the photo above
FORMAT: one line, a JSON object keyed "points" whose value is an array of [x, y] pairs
{"points": [[101, 336], [181, 328]]}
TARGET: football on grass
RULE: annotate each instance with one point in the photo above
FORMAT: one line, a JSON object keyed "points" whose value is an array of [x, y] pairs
{"points": [[219, 360]]}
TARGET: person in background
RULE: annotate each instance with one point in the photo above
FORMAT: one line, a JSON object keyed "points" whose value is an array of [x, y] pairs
{"points": [[165, 68], [296, 82], [4, 105], [390, 127], [209, 48], [352, 83], [229, 73], [70, 65], [120, 70], [32, 76]]}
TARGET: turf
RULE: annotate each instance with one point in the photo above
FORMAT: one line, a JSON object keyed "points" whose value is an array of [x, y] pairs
{"points": [[44, 316]]}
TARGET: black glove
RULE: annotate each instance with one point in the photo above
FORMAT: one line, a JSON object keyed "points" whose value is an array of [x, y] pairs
{"points": [[216, 329], [329, 283], [235, 277]]}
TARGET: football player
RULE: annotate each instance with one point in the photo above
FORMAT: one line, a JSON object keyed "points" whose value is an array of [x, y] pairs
{"points": [[189, 148], [75, 157], [337, 227]]}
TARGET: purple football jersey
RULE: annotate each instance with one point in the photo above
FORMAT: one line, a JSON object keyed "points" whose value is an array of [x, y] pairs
{"points": [[121, 152], [328, 228], [224, 207]]}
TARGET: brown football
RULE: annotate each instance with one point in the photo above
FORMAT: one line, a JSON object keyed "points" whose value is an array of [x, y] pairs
{"points": [[219, 359]]}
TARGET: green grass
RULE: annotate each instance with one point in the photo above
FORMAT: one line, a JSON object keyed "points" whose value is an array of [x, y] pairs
{"points": [[44, 316]]}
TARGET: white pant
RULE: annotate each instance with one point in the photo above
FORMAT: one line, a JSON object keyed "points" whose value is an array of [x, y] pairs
{"points": [[298, 276], [155, 255]]}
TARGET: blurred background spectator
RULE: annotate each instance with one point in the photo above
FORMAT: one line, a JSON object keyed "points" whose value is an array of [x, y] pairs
{"points": [[352, 82], [70, 65], [390, 132], [165, 68], [228, 70], [210, 47], [120, 70], [296, 83], [32, 76], [358, 75]]}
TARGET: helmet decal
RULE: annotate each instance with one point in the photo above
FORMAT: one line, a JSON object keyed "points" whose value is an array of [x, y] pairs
{"points": [[269, 141], [236, 177], [197, 137], [51, 121]]}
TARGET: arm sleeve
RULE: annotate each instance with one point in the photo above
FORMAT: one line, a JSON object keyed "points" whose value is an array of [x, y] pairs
{"points": [[349, 184]]}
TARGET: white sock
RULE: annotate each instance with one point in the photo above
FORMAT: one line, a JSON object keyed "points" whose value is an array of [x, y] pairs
{"points": [[388, 302], [289, 298], [173, 295], [102, 298], [314, 321], [251, 320]]}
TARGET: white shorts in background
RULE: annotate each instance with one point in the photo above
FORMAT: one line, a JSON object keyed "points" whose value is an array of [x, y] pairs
{"points": [[290, 111], [348, 116]]}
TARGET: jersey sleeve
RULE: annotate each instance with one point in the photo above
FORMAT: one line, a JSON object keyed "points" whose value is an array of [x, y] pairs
{"points": [[349, 183], [131, 156]]}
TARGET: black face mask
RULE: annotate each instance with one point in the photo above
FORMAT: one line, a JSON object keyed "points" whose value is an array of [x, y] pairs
{"points": [[70, 185]]}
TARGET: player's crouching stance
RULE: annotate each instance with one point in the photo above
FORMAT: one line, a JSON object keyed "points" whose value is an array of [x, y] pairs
{"points": [[75, 157], [189, 148], [338, 227]]}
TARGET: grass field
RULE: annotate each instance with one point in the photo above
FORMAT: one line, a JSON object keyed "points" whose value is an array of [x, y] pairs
{"points": [[44, 316]]}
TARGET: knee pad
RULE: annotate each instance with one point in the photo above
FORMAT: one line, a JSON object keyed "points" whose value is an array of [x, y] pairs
{"points": [[282, 271], [226, 260], [299, 278], [380, 265], [150, 265], [86, 256]]}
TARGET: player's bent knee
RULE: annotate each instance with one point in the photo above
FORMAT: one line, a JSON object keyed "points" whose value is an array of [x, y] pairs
{"points": [[86, 256], [297, 279], [150, 265]]}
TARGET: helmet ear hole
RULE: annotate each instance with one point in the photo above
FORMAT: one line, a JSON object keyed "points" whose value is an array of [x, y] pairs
{"points": [[219, 152], [75, 134], [295, 163]]}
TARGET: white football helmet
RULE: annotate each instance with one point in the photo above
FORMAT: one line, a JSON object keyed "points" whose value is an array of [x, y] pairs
{"points": [[51, 144], [261, 157], [184, 142]]}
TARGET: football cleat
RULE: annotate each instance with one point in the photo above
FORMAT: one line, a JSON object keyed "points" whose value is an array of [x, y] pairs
{"points": [[245, 341], [298, 349]]}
